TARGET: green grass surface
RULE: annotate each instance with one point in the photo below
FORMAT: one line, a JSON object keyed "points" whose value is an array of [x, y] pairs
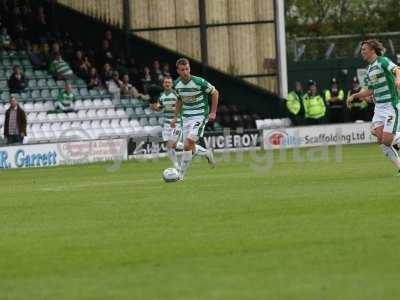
{"points": [[303, 230]]}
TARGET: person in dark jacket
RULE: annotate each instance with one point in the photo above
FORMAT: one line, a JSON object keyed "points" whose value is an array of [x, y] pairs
{"points": [[15, 123], [17, 81]]}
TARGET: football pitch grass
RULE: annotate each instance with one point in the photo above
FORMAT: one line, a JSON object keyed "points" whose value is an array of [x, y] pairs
{"points": [[320, 229]]}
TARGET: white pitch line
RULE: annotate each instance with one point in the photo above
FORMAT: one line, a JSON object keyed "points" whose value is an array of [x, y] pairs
{"points": [[88, 184]]}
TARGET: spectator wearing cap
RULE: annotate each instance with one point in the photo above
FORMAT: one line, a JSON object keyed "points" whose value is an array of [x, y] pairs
{"points": [[314, 105], [334, 97], [17, 81], [294, 104], [14, 123], [359, 107]]}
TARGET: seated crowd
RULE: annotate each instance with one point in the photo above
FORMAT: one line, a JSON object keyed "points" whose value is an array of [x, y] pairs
{"points": [[104, 69]]}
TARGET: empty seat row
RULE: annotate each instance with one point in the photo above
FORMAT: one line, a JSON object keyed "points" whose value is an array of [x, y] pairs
{"points": [[13, 54], [5, 73], [11, 62]]}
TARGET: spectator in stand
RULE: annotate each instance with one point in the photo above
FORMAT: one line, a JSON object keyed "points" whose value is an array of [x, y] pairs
{"points": [[26, 16], [114, 86], [359, 107], [17, 82], [55, 48], [65, 100], [128, 90], [294, 104], [146, 79], [60, 69], [5, 40], [14, 123], [81, 65], [40, 27], [107, 73], [45, 51], [112, 43], [106, 54], [94, 80], [166, 70], [38, 60], [156, 73], [314, 105], [334, 97], [20, 36]]}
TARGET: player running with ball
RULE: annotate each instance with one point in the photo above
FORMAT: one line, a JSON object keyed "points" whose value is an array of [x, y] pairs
{"points": [[193, 106], [165, 100], [382, 81]]}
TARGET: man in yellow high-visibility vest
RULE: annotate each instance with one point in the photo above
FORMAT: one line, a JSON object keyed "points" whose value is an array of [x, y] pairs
{"points": [[294, 104], [314, 105]]}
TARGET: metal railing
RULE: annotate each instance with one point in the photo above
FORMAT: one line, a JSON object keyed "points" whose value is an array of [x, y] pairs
{"points": [[338, 46]]}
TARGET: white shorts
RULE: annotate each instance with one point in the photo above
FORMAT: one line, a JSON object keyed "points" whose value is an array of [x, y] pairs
{"points": [[171, 134], [193, 128], [388, 117]]}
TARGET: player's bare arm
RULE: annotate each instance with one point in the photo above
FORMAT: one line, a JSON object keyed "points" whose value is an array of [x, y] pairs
{"points": [[178, 108], [397, 73], [363, 95], [214, 105]]}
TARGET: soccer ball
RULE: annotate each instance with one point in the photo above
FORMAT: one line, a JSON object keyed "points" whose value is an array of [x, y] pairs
{"points": [[171, 175]]}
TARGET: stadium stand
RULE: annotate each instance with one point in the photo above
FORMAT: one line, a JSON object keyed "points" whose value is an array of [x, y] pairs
{"points": [[96, 113], [99, 111]]}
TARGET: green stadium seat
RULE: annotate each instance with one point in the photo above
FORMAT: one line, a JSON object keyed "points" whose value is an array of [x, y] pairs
{"points": [[32, 83], [29, 73], [45, 94], [60, 83], [16, 62], [24, 97], [125, 102], [6, 62], [54, 93], [42, 83], [51, 83], [26, 63], [3, 85], [35, 95], [5, 96], [84, 92], [39, 73], [94, 92]]}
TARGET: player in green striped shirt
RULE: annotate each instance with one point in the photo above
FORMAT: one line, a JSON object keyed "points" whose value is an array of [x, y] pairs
{"points": [[166, 102], [193, 106], [382, 82]]}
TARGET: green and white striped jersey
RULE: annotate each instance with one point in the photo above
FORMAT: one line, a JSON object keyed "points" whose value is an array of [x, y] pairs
{"points": [[167, 102], [380, 79], [194, 95]]}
